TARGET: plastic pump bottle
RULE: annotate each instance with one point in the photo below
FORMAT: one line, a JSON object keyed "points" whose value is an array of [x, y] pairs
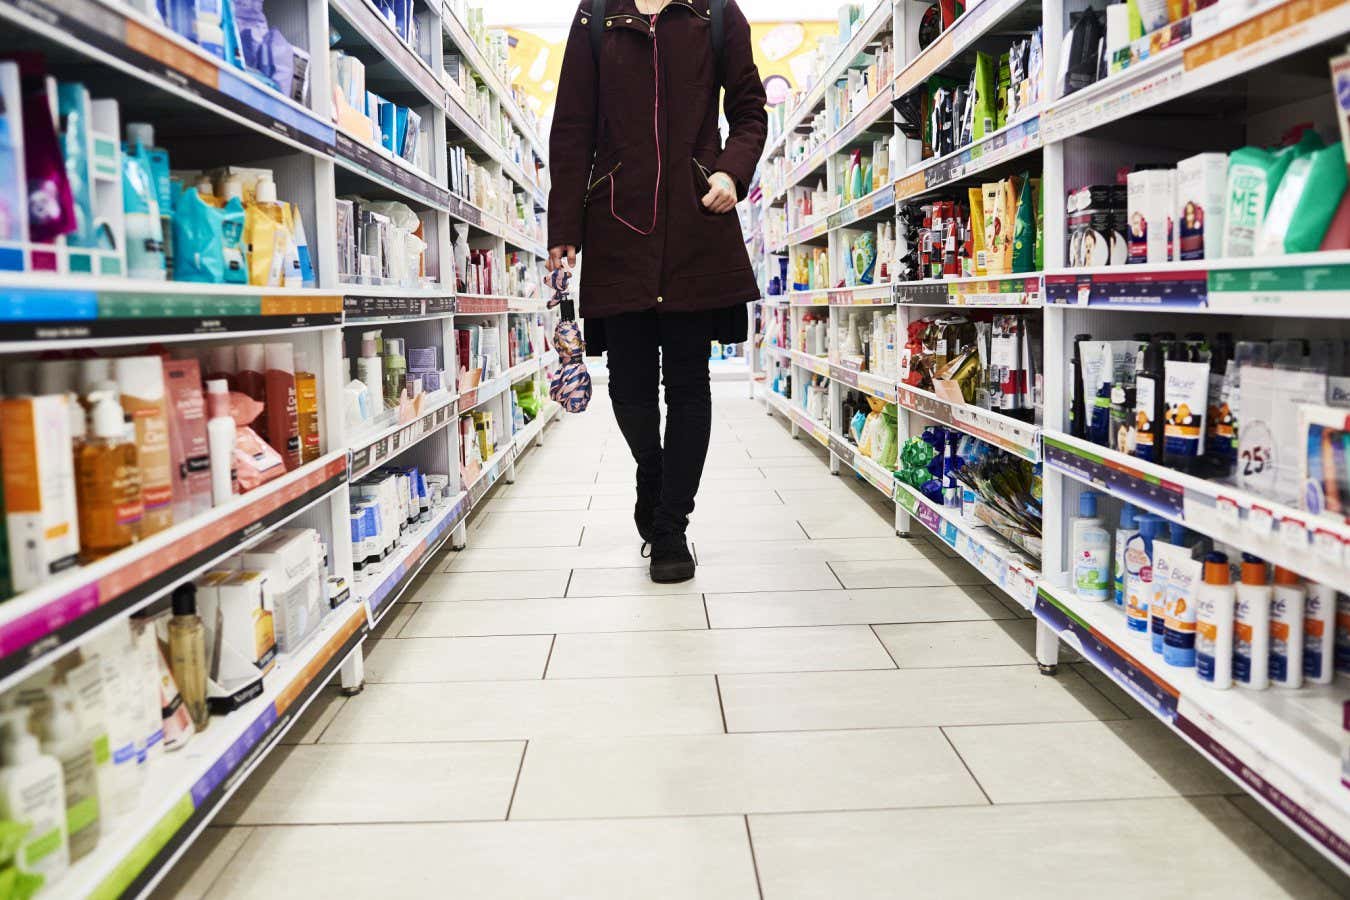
{"points": [[68, 744], [220, 436], [1286, 629], [370, 367], [1319, 634], [1126, 528], [1139, 588], [1216, 605], [33, 791], [1090, 545], [1251, 643]]}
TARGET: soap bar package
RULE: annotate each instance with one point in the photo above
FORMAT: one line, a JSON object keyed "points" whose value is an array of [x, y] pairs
{"points": [[289, 560], [1201, 184], [1150, 215], [39, 488]]}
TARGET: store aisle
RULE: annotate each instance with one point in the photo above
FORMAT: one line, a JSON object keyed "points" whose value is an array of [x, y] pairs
{"points": [[827, 711]]}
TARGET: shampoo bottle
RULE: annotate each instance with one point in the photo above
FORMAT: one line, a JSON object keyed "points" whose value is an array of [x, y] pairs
{"points": [[307, 408], [65, 741], [220, 433], [1126, 528], [1251, 643], [33, 793], [1091, 550], [107, 480], [1216, 604], [283, 423], [1319, 634], [1286, 629]]}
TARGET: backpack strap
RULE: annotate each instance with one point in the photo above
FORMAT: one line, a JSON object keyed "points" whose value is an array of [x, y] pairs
{"points": [[716, 23], [597, 31]]}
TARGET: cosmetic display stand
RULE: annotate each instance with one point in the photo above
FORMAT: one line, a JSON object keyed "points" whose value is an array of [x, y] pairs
{"points": [[1195, 88], [209, 113]]}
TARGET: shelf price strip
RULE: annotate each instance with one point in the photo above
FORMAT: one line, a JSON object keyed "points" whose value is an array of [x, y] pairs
{"points": [[33, 635], [1141, 489], [358, 306], [372, 455]]}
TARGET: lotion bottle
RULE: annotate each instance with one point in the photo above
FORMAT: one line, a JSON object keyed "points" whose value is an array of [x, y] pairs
{"points": [[33, 792], [1286, 629], [1319, 634], [1090, 545], [220, 434], [1126, 528], [371, 372], [1139, 587], [65, 741], [1216, 604], [1251, 643]]}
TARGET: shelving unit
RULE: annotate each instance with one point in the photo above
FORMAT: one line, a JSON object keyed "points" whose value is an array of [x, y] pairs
{"points": [[1184, 90], [209, 113]]}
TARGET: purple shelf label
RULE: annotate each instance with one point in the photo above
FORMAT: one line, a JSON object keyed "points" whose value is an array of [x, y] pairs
{"points": [[27, 632], [1156, 496], [234, 756], [1117, 287]]}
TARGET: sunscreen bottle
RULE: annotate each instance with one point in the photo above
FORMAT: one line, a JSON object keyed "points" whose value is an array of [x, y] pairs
{"points": [[1216, 604], [1126, 528], [1139, 593], [1319, 634], [1286, 629], [1251, 644]]}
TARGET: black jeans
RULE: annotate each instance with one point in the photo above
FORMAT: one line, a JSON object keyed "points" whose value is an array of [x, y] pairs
{"points": [[679, 344]]}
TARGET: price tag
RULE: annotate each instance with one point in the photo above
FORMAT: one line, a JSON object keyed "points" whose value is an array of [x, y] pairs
{"points": [[1228, 513], [1328, 547], [1261, 521], [1293, 534]]}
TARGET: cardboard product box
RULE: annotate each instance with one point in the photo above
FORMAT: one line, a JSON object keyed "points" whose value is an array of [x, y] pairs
{"points": [[290, 560]]}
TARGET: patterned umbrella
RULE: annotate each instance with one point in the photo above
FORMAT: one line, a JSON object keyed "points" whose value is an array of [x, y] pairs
{"points": [[571, 385]]}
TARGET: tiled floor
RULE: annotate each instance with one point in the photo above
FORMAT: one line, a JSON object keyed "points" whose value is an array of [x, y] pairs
{"points": [[827, 711]]}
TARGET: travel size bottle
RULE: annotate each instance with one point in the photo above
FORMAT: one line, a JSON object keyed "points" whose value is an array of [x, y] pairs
{"points": [[107, 480]]}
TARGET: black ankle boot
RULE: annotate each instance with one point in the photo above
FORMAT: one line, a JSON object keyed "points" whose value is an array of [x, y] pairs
{"points": [[671, 560], [644, 515]]}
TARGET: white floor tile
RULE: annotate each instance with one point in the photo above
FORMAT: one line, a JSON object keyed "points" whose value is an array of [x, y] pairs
{"points": [[539, 504], [518, 710], [508, 559], [317, 716], [206, 859], [907, 697], [715, 652], [510, 585], [459, 658], [708, 579], [557, 616], [674, 859], [1092, 761], [906, 573], [862, 521], [1062, 850], [861, 607], [751, 552], [728, 499], [711, 774], [932, 645], [331, 783]]}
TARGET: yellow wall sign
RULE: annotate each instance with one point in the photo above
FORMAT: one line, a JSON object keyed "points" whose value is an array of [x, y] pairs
{"points": [[783, 51]]}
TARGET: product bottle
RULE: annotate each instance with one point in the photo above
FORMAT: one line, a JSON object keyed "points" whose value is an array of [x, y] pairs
{"points": [[175, 718], [1319, 634], [220, 434], [65, 741], [266, 235], [306, 408], [1126, 528], [33, 792], [1090, 545], [1251, 642], [283, 419], [140, 214], [107, 480], [187, 653], [1286, 629], [370, 369], [220, 364], [395, 370], [251, 380], [1216, 605], [110, 672], [1139, 587], [1149, 403]]}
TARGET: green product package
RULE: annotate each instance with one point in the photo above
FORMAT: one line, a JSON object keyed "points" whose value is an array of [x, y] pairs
{"points": [[986, 89], [199, 240], [1024, 229], [1038, 262], [1004, 85], [1304, 203], [1254, 174], [527, 399]]}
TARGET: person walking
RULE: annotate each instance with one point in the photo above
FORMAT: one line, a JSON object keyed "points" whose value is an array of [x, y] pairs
{"points": [[643, 183]]}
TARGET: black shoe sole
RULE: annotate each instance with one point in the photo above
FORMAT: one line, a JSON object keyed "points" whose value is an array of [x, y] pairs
{"points": [[672, 572]]}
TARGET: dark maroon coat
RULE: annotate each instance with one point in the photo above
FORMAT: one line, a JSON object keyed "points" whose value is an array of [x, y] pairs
{"points": [[605, 165]]}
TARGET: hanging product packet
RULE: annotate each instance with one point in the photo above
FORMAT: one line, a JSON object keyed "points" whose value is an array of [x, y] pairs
{"points": [[255, 462]]}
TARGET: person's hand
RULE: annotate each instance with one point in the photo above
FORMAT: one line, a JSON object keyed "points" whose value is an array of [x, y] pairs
{"points": [[721, 198], [557, 254]]}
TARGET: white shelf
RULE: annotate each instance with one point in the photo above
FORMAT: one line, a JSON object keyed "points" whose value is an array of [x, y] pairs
{"points": [[185, 789], [1282, 746], [380, 585]]}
